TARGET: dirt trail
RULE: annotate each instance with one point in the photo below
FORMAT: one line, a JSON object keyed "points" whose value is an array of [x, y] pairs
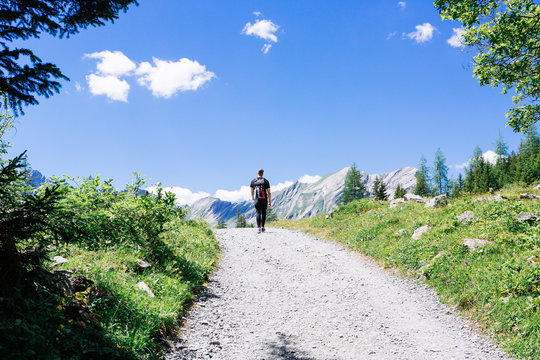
{"points": [[287, 295]]}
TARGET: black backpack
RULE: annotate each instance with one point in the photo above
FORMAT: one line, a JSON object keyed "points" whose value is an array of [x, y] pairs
{"points": [[260, 191]]}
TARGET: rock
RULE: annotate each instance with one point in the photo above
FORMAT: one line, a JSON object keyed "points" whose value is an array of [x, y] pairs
{"points": [[413, 197], [143, 264], [33, 254], [466, 217], [529, 196], [497, 197], [420, 231], [394, 203], [97, 292], [439, 200], [142, 286], [81, 314], [80, 283], [533, 260], [59, 260], [526, 216], [474, 244], [537, 187]]}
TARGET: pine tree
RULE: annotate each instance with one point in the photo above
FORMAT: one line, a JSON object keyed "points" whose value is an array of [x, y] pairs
{"points": [[379, 189], [440, 172], [23, 75], [354, 186], [240, 219], [501, 148], [399, 192], [221, 224], [271, 215], [422, 187]]}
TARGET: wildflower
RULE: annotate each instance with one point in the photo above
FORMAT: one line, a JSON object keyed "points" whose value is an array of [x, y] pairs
{"points": [[466, 263], [57, 339], [61, 326], [59, 307]]}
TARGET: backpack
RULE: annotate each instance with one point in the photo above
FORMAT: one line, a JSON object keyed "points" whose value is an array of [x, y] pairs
{"points": [[259, 192]]}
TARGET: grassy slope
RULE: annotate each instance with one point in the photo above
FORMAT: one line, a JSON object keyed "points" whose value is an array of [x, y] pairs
{"points": [[131, 322], [497, 285]]}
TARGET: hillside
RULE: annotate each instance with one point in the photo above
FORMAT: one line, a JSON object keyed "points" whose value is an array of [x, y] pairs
{"points": [[481, 254], [300, 200]]}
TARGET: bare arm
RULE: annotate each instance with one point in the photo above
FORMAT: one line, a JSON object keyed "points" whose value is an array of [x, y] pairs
{"points": [[269, 197], [252, 198]]}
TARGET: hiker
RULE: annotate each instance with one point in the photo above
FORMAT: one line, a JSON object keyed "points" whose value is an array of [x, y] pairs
{"points": [[261, 195]]}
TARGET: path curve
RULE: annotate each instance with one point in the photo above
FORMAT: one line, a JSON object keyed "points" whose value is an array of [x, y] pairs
{"points": [[287, 295]]}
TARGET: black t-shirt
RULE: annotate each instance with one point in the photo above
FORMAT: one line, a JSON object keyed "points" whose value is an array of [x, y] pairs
{"points": [[260, 182]]}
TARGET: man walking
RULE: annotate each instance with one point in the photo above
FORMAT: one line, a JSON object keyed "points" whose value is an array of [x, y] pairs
{"points": [[261, 195]]}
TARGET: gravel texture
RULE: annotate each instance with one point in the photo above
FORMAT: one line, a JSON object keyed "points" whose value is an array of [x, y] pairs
{"points": [[286, 295]]}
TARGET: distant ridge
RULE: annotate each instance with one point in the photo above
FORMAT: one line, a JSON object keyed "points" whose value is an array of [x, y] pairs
{"points": [[301, 200]]}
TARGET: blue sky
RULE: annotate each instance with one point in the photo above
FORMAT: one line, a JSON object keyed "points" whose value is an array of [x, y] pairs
{"points": [[371, 82]]}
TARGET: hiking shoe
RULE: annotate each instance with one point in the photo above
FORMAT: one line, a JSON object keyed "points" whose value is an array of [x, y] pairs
{"points": [[263, 229], [259, 230]]}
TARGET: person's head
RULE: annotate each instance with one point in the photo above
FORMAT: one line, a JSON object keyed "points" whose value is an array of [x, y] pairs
{"points": [[260, 172]]}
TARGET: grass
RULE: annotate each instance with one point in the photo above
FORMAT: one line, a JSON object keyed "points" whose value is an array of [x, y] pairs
{"points": [[131, 324], [497, 285]]}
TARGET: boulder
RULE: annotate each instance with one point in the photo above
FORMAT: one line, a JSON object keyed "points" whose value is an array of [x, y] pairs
{"points": [[537, 187], [466, 217], [80, 283], [439, 200], [526, 216], [143, 264], [57, 260], [529, 196], [394, 203], [142, 286], [413, 197], [497, 197], [474, 244], [420, 231]]}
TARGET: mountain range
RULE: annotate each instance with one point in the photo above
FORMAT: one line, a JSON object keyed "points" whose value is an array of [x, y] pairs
{"points": [[300, 199]]}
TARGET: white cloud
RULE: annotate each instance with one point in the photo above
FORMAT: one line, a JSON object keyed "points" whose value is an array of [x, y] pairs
{"points": [[78, 86], [166, 78], [489, 156], [423, 33], [112, 63], [309, 179], [235, 195], [183, 196], [457, 39], [257, 13], [108, 85], [281, 186], [402, 4], [391, 35], [265, 29], [266, 48]]}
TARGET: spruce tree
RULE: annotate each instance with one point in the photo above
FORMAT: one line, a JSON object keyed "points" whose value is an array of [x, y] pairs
{"points": [[354, 186], [240, 219], [399, 192], [271, 215], [221, 224], [379, 189], [422, 187], [501, 148], [440, 172], [23, 75]]}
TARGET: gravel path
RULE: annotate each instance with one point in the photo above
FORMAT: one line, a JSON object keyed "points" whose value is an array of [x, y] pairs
{"points": [[287, 295]]}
